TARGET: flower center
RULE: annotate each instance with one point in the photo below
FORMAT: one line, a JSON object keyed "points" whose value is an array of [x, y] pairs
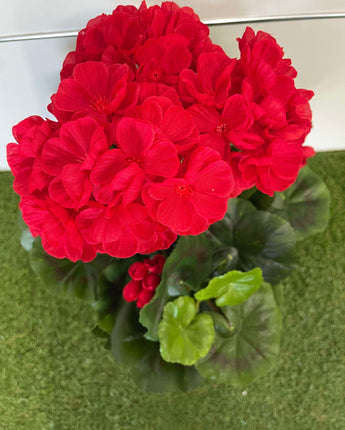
{"points": [[222, 129], [134, 160], [155, 75], [208, 91], [184, 190], [99, 104]]}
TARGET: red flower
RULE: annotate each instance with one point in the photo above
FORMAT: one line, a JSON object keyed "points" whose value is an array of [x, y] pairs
{"points": [[123, 30], [56, 226], [140, 155], [174, 122], [276, 169], [95, 90], [161, 60], [124, 230], [156, 129], [70, 158], [211, 84], [145, 279], [169, 18], [24, 158], [190, 203], [262, 60], [232, 125]]}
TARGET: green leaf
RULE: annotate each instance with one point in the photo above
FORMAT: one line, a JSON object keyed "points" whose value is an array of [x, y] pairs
{"points": [[306, 204], [110, 284], [108, 294], [261, 200], [278, 294], [149, 370], [253, 348], [186, 268], [184, 336], [224, 259], [261, 239], [63, 277], [232, 288], [107, 323], [221, 325]]}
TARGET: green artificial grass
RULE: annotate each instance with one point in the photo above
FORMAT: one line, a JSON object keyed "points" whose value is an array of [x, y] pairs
{"points": [[54, 374]]}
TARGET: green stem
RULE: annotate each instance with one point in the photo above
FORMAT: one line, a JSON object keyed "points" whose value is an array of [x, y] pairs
{"points": [[216, 309], [186, 286]]}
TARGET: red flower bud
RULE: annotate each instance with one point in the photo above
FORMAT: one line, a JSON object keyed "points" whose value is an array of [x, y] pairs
{"points": [[151, 281], [156, 264], [131, 291], [144, 297], [138, 271]]}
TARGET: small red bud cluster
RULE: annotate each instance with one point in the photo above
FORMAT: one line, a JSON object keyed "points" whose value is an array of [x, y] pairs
{"points": [[146, 276]]}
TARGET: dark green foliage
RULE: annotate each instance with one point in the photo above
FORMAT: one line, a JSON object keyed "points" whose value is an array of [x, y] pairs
{"points": [[305, 204], [149, 370], [63, 277], [252, 348], [187, 267], [260, 238]]}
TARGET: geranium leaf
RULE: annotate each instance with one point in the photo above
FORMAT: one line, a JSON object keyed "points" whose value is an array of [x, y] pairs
{"points": [[222, 327], [224, 259], [184, 335], [305, 204], [232, 288], [63, 277], [149, 370], [107, 323], [186, 268], [261, 239], [108, 293], [253, 348]]}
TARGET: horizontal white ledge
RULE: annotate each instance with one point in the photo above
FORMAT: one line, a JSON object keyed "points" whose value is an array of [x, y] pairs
{"points": [[212, 22]]}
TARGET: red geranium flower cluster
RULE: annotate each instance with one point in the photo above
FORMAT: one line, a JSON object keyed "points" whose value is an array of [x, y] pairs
{"points": [[156, 128], [145, 279]]}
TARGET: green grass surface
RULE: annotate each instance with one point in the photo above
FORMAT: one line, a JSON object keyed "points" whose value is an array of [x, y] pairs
{"points": [[54, 374]]}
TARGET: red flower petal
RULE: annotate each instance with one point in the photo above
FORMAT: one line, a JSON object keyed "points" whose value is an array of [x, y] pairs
{"points": [[125, 246], [236, 113], [107, 166], [134, 137], [77, 184], [215, 180], [71, 96], [129, 182], [162, 160], [205, 117], [176, 58], [178, 213], [93, 77], [210, 207], [177, 123], [199, 159]]}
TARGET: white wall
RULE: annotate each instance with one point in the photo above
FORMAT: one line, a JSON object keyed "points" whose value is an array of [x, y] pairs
{"points": [[33, 16], [29, 70]]}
